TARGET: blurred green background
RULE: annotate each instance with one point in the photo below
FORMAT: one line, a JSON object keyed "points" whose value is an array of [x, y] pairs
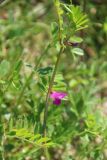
{"points": [[78, 127]]}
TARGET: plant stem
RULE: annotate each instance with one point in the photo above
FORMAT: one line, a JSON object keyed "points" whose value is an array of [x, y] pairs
{"points": [[50, 89], [55, 68], [47, 99], [57, 5]]}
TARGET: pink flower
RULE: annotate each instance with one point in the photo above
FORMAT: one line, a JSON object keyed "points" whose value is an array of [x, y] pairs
{"points": [[57, 97]]}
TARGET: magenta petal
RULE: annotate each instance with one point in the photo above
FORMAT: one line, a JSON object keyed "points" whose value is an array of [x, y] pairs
{"points": [[58, 95], [57, 101]]}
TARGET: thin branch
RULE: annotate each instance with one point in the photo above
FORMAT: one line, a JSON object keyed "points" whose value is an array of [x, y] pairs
{"points": [[54, 72], [50, 89]]}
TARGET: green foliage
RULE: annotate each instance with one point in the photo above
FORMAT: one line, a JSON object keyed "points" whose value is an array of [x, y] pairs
{"points": [[80, 19], [4, 68], [36, 140], [77, 18], [78, 51], [32, 34], [76, 39]]}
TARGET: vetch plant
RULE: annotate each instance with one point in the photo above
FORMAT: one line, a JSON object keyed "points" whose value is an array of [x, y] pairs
{"points": [[65, 34], [55, 108]]}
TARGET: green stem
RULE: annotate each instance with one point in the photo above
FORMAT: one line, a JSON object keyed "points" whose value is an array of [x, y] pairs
{"points": [[50, 89], [57, 5], [47, 99]]}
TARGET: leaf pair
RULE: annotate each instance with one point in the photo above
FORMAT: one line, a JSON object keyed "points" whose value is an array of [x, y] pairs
{"points": [[76, 16], [35, 139]]}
